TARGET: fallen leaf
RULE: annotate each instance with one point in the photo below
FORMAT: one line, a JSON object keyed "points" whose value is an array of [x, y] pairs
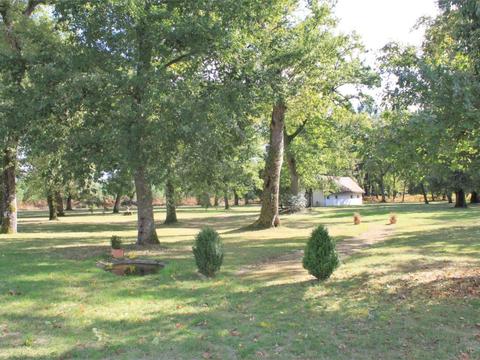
{"points": [[234, 332], [265, 324]]}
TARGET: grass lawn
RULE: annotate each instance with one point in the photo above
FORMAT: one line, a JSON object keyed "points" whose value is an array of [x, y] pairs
{"points": [[413, 295]]}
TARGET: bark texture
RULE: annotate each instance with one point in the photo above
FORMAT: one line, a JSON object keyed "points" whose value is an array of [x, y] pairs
{"points": [[9, 196], [59, 204], [460, 199], [273, 166], [52, 207], [145, 221], [170, 203]]}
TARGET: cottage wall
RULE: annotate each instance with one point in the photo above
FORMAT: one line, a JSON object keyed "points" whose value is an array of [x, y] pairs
{"points": [[344, 199]]}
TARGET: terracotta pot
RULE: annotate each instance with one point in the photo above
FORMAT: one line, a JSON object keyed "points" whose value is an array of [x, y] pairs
{"points": [[118, 253]]}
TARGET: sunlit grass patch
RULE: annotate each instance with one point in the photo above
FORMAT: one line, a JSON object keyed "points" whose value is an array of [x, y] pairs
{"points": [[412, 294]]}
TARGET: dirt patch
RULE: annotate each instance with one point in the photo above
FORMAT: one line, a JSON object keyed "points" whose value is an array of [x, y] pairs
{"points": [[287, 268], [443, 284]]}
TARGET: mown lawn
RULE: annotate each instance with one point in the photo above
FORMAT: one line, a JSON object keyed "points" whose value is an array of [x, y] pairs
{"points": [[415, 295]]}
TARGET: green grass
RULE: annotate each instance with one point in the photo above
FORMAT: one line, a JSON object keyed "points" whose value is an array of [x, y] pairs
{"points": [[412, 296]]}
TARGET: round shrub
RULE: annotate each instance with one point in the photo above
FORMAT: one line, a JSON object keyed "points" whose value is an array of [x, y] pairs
{"points": [[208, 252], [321, 257]]}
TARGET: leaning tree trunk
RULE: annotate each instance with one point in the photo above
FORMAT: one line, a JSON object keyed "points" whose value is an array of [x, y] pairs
{"points": [[424, 193], [236, 198], [225, 200], [9, 198], [145, 220], [273, 166], [52, 207], [59, 204], [474, 198], [460, 199], [116, 206], [170, 203], [69, 203]]}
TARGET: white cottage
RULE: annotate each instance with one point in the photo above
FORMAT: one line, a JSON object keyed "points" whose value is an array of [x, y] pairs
{"points": [[347, 193]]}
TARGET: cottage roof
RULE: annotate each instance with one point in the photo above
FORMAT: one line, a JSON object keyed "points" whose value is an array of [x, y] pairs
{"points": [[346, 184]]}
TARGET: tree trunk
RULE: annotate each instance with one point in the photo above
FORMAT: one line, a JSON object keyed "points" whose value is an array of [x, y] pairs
{"points": [[116, 206], [52, 207], [246, 199], [474, 198], [215, 201], [309, 198], [145, 220], [225, 200], [9, 198], [273, 166], [460, 199], [236, 199], [1, 198], [404, 191], [382, 189], [170, 203], [59, 204], [432, 196], [292, 169], [450, 199], [424, 193], [69, 203]]}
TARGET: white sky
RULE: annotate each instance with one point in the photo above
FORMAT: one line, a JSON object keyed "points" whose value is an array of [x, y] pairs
{"points": [[381, 21]]}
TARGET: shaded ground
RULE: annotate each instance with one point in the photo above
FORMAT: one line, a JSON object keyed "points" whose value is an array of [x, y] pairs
{"points": [[409, 294]]}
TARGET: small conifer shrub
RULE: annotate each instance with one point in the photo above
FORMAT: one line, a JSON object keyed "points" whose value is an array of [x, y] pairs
{"points": [[116, 242], [321, 257], [208, 252]]}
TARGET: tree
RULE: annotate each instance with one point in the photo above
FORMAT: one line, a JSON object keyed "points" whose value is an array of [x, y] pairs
{"points": [[146, 51], [298, 56]]}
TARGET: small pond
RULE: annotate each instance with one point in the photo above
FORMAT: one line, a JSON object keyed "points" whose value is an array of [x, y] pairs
{"points": [[138, 267]]}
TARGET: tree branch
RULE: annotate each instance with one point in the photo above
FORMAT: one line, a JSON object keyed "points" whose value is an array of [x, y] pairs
{"points": [[177, 59], [32, 4], [297, 132]]}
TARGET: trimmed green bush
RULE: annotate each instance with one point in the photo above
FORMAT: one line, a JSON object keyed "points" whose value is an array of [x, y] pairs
{"points": [[208, 252], [116, 242], [321, 257]]}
